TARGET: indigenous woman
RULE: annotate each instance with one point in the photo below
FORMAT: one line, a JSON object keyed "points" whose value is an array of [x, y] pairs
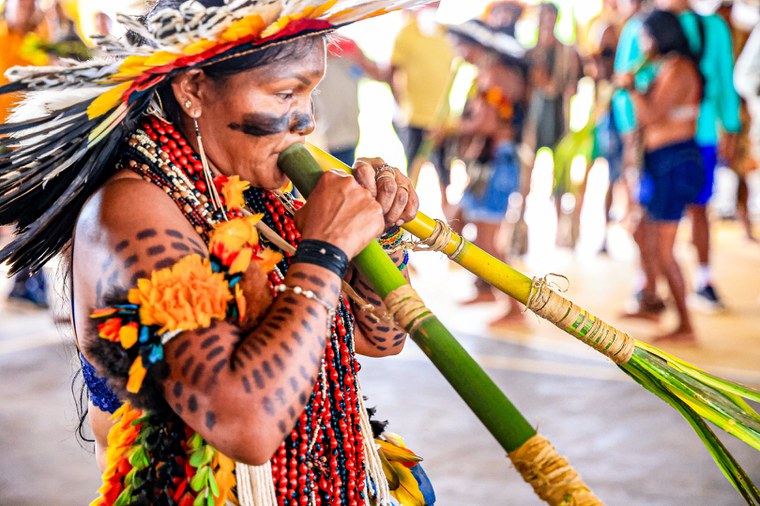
{"points": [[672, 174], [491, 127], [229, 356]]}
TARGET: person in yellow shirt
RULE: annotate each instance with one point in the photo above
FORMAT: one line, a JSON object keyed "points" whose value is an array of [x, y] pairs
{"points": [[421, 65], [20, 20]]}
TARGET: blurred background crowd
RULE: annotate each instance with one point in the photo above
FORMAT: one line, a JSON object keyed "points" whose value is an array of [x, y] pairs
{"points": [[552, 134], [490, 107]]}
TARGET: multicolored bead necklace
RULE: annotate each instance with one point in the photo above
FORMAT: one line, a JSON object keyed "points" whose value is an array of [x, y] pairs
{"points": [[322, 459]]}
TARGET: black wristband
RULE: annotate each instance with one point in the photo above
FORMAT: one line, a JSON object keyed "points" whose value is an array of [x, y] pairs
{"points": [[323, 254]]}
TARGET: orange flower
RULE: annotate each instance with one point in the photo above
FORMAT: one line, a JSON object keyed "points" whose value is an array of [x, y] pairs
{"points": [[136, 375], [267, 259], [233, 189], [110, 329], [186, 296]]}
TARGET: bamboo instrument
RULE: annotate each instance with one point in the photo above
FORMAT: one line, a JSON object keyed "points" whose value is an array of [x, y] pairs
{"points": [[550, 475], [696, 394]]}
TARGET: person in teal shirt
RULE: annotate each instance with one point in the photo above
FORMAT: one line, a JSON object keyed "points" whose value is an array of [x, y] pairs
{"points": [[710, 39]]}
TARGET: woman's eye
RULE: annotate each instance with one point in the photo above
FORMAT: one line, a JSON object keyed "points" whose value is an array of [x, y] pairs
{"points": [[285, 95]]}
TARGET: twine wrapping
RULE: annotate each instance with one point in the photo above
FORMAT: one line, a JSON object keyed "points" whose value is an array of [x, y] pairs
{"points": [[553, 479], [438, 240], [407, 307], [593, 331]]}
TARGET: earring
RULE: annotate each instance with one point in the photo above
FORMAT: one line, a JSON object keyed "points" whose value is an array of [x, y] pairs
{"points": [[188, 104], [216, 201]]}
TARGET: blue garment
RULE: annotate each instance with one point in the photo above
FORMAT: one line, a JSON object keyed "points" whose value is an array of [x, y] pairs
{"points": [[709, 163], [672, 178], [489, 204], [609, 145], [99, 392]]}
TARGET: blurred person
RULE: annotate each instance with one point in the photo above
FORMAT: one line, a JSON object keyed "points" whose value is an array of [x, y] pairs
{"points": [[710, 40], [747, 82], [491, 128], [503, 15], [22, 21], [554, 73], [337, 99], [608, 142], [555, 70], [672, 174], [420, 77], [744, 160], [103, 24]]}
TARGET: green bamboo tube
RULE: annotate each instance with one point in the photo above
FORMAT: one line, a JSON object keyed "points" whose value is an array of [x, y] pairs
{"points": [[481, 394]]}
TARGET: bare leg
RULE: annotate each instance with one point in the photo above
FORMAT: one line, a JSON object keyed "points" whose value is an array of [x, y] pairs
{"points": [[700, 229], [650, 305], [665, 233], [742, 197]]}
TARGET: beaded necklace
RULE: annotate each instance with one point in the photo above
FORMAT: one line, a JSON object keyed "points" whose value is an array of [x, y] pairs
{"points": [[321, 461]]}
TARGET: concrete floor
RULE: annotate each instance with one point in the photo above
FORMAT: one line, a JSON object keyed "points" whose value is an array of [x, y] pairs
{"points": [[630, 447]]}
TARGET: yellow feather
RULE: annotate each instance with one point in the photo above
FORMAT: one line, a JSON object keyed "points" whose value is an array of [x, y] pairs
{"points": [[107, 100]]}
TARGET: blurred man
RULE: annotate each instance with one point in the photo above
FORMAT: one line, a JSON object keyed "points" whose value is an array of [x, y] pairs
{"points": [[554, 73], [420, 77], [337, 102]]}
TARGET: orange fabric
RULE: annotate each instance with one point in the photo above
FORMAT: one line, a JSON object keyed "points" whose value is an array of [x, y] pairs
{"points": [[11, 55]]}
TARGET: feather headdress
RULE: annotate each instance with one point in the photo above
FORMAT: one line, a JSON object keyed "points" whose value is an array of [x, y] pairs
{"points": [[56, 150]]}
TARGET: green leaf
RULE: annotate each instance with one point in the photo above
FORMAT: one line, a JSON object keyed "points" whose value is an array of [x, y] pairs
{"points": [[197, 457], [195, 441], [200, 500], [213, 484], [198, 482]]}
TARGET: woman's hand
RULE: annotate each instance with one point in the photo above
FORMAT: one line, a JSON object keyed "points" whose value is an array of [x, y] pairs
{"points": [[390, 188], [340, 211]]}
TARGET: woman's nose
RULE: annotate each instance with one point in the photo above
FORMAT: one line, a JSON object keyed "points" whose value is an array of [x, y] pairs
{"points": [[302, 123]]}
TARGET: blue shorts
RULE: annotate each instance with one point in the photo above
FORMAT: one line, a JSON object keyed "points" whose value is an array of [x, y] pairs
{"points": [[709, 162], [672, 178], [491, 204], [609, 145]]}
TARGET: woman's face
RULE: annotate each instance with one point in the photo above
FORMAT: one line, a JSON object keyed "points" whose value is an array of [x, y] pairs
{"points": [[646, 43], [247, 119]]}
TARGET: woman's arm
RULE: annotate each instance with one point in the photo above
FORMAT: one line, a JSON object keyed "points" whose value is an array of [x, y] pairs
{"points": [[242, 391]]}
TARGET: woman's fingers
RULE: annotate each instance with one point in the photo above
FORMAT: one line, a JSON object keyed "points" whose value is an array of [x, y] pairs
{"points": [[390, 188]]}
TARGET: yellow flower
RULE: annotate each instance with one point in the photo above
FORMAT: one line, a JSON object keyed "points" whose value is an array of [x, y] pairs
{"points": [[233, 190], [186, 296], [233, 235]]}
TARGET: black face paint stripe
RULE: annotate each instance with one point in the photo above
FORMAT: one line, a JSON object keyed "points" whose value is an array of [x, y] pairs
{"points": [[259, 124]]}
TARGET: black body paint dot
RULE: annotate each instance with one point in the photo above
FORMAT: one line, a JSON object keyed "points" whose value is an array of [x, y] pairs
{"points": [[146, 234]]}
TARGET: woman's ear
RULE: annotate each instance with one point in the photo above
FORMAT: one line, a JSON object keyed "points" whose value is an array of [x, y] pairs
{"points": [[186, 87]]}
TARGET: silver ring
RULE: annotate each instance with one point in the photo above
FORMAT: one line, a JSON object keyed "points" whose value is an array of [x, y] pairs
{"points": [[385, 170]]}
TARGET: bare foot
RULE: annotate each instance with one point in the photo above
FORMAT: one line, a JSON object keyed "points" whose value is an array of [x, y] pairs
{"points": [[508, 320], [678, 336], [487, 296]]}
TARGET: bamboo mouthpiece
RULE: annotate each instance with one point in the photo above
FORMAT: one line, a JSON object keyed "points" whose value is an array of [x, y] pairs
{"points": [[579, 323], [552, 477], [407, 307]]}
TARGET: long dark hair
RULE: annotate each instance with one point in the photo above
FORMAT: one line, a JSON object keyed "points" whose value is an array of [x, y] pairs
{"points": [[670, 38]]}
